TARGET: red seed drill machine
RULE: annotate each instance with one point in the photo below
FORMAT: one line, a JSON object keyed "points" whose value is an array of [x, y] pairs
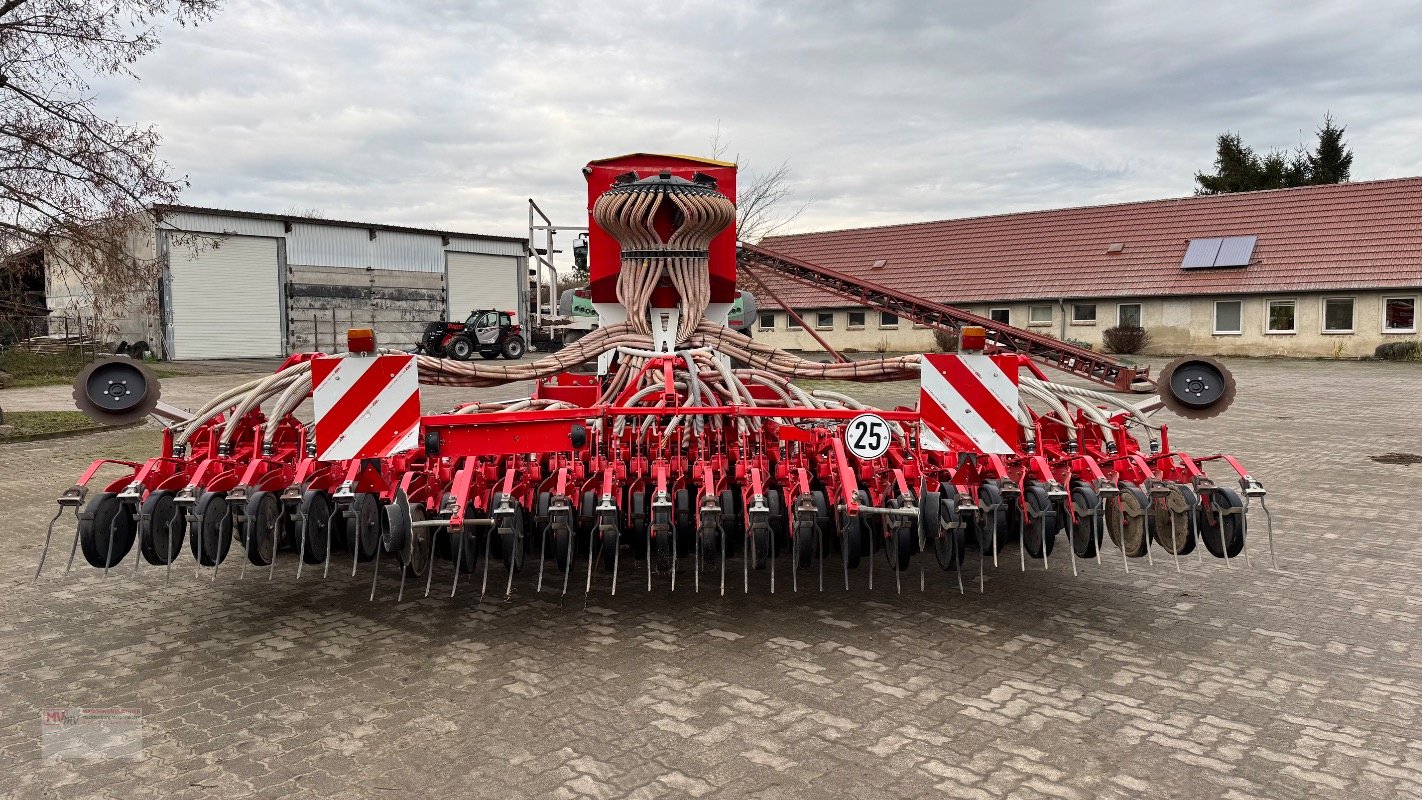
{"points": [[667, 445]]}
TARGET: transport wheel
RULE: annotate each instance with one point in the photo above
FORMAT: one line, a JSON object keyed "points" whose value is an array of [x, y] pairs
{"points": [[212, 529], [161, 527], [1220, 527], [1171, 517], [261, 524], [1128, 524], [106, 530], [1039, 529], [460, 348], [315, 524], [363, 532], [1085, 532], [990, 521], [513, 349]]}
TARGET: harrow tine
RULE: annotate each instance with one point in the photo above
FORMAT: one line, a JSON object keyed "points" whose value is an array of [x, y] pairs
{"points": [[488, 541], [1199, 551], [458, 565], [696, 562], [508, 585], [795, 565], [820, 547], [543, 559], [1269, 531], [168, 568], [109, 555], [982, 560], [355, 550], [49, 534], [1244, 529], [281, 524], [1224, 546], [400, 598], [217, 557], [429, 568], [375, 573], [650, 545], [958, 565], [74, 548], [1071, 543], [721, 534], [1022, 538], [1098, 528], [870, 558], [746, 559], [616, 557], [1174, 550], [572, 557], [1121, 520], [301, 546], [330, 528], [772, 563], [674, 537], [1150, 559], [592, 554]]}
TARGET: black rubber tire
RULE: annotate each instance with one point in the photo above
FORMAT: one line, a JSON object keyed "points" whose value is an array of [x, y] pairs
{"points": [[261, 526], [541, 513], [212, 534], [162, 529], [685, 519], [511, 542], [1161, 519], [513, 348], [587, 515], [466, 547], [637, 523], [779, 523], [952, 544], [1223, 535], [1039, 533], [315, 527], [563, 549], [1085, 532], [460, 348], [902, 540], [1128, 531], [108, 519], [610, 541]]}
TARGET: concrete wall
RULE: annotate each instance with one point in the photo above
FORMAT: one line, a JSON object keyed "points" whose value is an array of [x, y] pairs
{"points": [[324, 302], [1176, 325]]}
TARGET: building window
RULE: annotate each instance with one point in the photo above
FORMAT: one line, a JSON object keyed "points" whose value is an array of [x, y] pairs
{"points": [[1399, 315], [791, 323], [1039, 315], [1337, 315], [767, 322], [856, 320], [1128, 315], [1003, 315], [1281, 317], [887, 320], [1083, 313], [824, 320], [1228, 316]]}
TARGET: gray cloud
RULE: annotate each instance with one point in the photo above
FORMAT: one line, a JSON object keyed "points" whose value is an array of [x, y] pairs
{"points": [[451, 113]]}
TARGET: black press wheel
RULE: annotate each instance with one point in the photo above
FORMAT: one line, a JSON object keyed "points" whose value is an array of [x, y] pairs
{"points": [[314, 523], [162, 527], [211, 528], [1172, 518], [261, 524], [950, 541], [902, 541], [1082, 522], [851, 536], [990, 521], [1128, 523], [1039, 528], [363, 528], [1221, 522], [107, 530]]}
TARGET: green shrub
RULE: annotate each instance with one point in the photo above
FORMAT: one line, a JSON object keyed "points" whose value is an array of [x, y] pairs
{"points": [[1399, 351], [1126, 339]]}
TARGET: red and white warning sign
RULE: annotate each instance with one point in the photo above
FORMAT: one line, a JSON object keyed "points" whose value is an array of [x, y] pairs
{"points": [[365, 407], [970, 399]]}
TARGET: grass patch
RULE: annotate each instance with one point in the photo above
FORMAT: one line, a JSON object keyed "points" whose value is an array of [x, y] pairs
{"points": [[35, 423], [20, 369]]}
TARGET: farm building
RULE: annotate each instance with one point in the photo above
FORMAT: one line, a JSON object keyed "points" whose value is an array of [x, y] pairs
{"points": [[1316, 271], [237, 284]]}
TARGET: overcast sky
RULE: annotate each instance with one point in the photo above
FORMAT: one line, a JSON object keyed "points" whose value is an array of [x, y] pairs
{"points": [[452, 114]]}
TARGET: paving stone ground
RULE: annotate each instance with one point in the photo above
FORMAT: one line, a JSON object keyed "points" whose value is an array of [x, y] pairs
{"points": [[1214, 682]]}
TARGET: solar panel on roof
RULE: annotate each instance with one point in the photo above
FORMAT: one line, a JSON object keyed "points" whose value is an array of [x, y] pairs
{"points": [[1235, 251], [1201, 253]]}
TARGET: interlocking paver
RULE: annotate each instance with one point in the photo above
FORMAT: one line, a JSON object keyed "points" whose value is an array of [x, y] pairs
{"points": [[1227, 682]]}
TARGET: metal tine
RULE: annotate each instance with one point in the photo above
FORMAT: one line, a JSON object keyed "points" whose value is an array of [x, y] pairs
{"points": [[1195, 528], [696, 561], [242, 568], [137, 551], [1121, 521], [74, 548], [301, 546], [772, 562], [49, 534], [330, 533], [844, 557], [995, 507], [1071, 539], [488, 541], [109, 554], [512, 560], [651, 548], [820, 550], [673, 535], [721, 534], [1098, 525], [195, 531], [592, 554], [404, 569], [1022, 538], [746, 557], [1224, 546], [217, 556], [543, 559], [898, 583], [617, 557], [458, 564], [281, 523], [1145, 534], [795, 546], [1244, 530], [429, 568], [982, 557], [375, 574], [168, 567], [355, 547], [571, 560], [1269, 531], [1174, 546], [1045, 565], [870, 555]]}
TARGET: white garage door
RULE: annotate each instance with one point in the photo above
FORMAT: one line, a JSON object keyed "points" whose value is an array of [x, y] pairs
{"points": [[227, 300], [482, 281]]}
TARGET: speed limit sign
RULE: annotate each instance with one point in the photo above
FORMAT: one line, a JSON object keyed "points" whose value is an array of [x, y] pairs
{"points": [[867, 436]]}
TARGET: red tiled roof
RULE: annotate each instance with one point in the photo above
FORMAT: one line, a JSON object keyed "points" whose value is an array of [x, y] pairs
{"points": [[1346, 236]]}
